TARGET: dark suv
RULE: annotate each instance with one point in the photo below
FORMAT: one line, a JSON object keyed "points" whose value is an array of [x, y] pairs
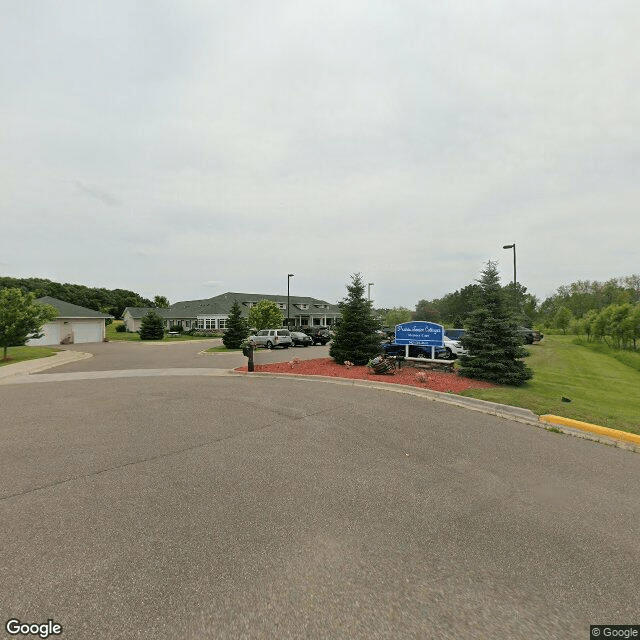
{"points": [[319, 335], [530, 335]]}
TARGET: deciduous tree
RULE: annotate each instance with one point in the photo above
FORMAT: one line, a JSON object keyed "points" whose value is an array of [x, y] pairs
{"points": [[21, 318], [265, 315]]}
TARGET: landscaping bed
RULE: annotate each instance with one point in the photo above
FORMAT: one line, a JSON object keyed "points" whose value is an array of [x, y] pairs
{"points": [[408, 375]]}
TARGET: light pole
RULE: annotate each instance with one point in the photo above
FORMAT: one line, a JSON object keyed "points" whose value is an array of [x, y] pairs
{"points": [[369, 285], [515, 290], [289, 276]]}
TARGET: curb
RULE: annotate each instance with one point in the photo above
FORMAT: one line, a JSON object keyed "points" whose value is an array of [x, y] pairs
{"points": [[609, 434], [501, 410]]}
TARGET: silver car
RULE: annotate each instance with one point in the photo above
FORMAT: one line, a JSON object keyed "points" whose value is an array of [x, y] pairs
{"points": [[271, 338]]}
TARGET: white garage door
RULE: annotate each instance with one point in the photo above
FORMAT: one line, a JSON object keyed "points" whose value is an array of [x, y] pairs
{"points": [[51, 332], [87, 333]]}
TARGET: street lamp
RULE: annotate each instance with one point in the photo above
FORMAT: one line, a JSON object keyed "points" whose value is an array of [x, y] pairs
{"points": [[289, 276], [369, 285], [515, 290]]}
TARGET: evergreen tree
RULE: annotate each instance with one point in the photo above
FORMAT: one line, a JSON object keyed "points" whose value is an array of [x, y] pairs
{"points": [[237, 328], [152, 327], [492, 338], [355, 337]]}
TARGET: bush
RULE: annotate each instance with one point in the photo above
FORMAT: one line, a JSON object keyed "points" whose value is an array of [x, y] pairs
{"points": [[120, 328], [176, 328]]}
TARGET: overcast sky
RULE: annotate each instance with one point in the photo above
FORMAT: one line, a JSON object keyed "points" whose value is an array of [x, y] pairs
{"points": [[189, 148]]}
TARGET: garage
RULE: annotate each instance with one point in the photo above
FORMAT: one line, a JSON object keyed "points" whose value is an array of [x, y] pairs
{"points": [[73, 325], [51, 335]]}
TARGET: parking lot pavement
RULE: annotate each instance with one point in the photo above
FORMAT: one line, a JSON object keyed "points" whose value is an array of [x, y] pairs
{"points": [[283, 508], [111, 356]]}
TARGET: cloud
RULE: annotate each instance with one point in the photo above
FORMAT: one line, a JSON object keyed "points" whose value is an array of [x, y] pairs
{"points": [[98, 194]]}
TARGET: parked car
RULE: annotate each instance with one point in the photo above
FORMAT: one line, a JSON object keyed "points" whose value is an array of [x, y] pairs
{"points": [[454, 334], [299, 338], [415, 350], [271, 338], [453, 348], [319, 335], [530, 335]]}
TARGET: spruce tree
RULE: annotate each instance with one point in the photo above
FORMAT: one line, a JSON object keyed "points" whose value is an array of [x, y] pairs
{"points": [[237, 328], [492, 338], [152, 327], [355, 337]]}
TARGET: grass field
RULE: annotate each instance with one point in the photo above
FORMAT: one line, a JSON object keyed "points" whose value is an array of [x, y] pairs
{"points": [[602, 389], [18, 354], [112, 334]]}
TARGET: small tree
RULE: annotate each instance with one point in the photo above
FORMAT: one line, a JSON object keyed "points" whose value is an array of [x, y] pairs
{"points": [[495, 347], [355, 338], [237, 328], [265, 315], [21, 318], [563, 319], [152, 327], [397, 315]]}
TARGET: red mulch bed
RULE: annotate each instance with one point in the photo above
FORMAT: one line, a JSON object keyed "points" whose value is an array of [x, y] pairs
{"points": [[435, 380]]}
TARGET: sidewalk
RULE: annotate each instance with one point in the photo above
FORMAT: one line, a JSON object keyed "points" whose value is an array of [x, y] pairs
{"points": [[27, 367]]}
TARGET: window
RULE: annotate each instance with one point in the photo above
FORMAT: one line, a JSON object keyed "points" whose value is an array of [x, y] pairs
{"points": [[222, 323], [282, 305], [188, 324]]}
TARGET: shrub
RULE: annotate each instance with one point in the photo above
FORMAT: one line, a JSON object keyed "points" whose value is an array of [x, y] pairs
{"points": [[176, 328], [120, 328]]}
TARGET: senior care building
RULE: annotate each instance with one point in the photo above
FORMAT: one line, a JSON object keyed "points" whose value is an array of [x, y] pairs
{"points": [[212, 313]]}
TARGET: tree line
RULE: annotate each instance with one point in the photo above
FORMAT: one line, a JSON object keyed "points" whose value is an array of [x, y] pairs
{"points": [[111, 301], [568, 305]]}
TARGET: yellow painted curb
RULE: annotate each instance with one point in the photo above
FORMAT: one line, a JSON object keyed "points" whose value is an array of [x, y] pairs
{"points": [[593, 428]]}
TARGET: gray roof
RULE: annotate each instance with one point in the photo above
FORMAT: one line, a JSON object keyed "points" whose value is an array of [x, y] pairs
{"points": [[68, 310], [141, 312], [221, 305]]}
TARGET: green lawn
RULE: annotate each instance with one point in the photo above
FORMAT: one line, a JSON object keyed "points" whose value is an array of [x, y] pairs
{"points": [[112, 334], [18, 354], [602, 389], [222, 349]]}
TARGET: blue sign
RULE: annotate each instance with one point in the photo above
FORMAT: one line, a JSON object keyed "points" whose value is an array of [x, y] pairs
{"points": [[427, 334]]}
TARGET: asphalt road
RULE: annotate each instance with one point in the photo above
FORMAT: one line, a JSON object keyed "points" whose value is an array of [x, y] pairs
{"points": [[254, 507], [179, 355]]}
